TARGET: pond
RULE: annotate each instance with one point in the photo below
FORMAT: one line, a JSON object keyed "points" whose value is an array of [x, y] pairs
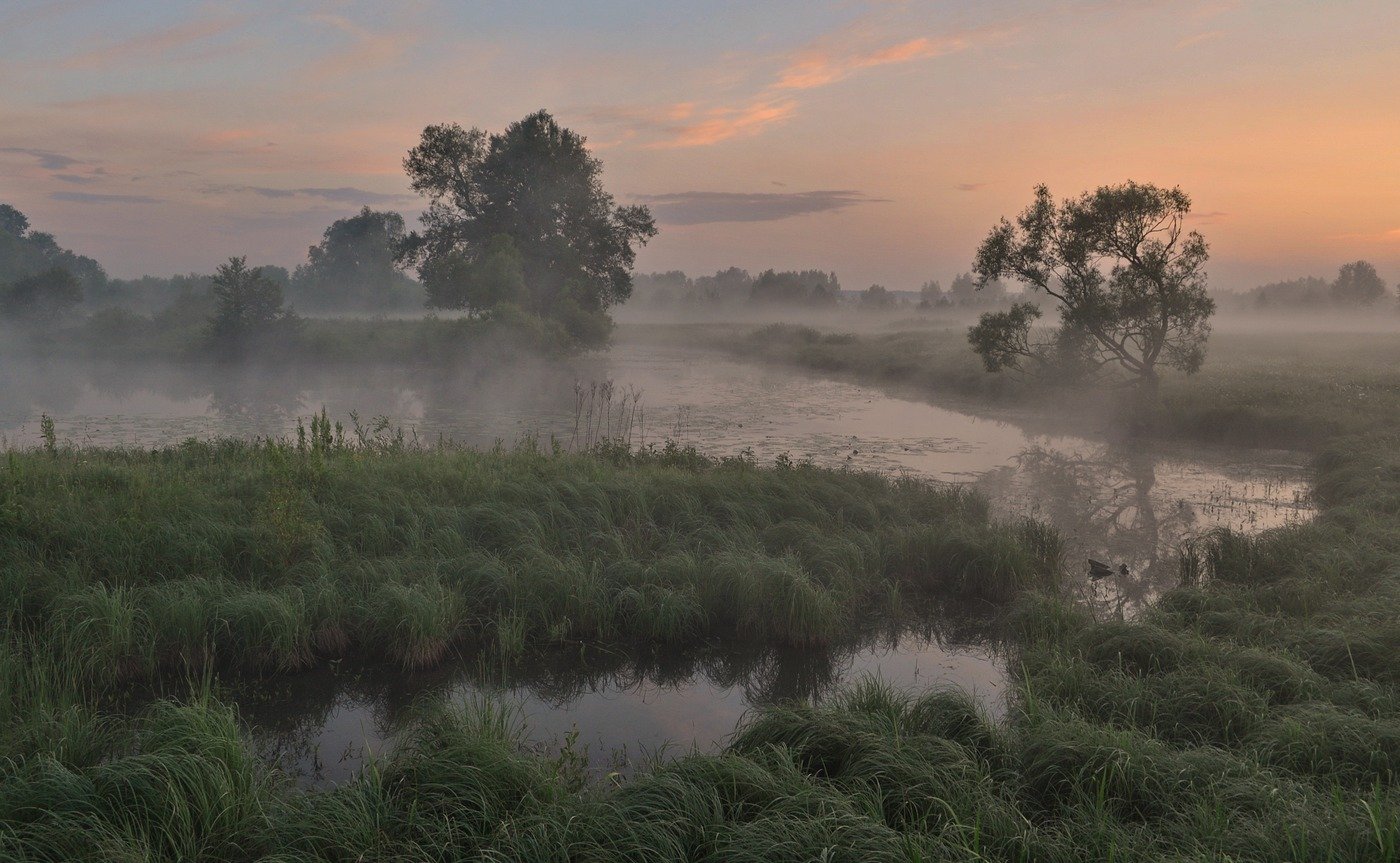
{"points": [[1130, 507]]}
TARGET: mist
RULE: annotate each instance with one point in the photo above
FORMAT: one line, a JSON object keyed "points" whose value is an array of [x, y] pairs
{"points": [[467, 535]]}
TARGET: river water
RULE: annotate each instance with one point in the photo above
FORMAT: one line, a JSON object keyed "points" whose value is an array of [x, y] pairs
{"points": [[1132, 507]]}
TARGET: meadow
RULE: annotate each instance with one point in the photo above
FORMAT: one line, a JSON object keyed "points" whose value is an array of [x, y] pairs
{"points": [[1250, 714]]}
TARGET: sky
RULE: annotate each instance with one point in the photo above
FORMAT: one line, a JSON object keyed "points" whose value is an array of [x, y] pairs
{"points": [[880, 140]]}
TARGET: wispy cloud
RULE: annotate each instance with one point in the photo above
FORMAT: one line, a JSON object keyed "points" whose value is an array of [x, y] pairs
{"points": [[723, 123], [1390, 236], [155, 45], [699, 208], [48, 160], [368, 49], [820, 66], [1198, 38], [826, 61], [339, 195], [94, 198], [1208, 218], [970, 187]]}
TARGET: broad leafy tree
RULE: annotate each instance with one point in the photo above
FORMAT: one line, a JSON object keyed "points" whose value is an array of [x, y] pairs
{"points": [[1358, 284], [41, 298], [26, 252], [537, 184], [477, 283], [1125, 275], [798, 288], [12, 221], [353, 266], [248, 311], [931, 295], [876, 298]]}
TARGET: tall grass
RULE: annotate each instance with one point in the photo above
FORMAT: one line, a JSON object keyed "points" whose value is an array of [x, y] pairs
{"points": [[1252, 714], [274, 555]]}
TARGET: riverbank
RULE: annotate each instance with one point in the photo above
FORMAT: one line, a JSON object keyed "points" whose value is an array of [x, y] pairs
{"points": [[1260, 390], [275, 555], [1251, 715]]}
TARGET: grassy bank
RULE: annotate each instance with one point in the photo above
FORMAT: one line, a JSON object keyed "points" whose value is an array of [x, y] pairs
{"points": [[1251, 715], [1298, 390], [277, 555]]}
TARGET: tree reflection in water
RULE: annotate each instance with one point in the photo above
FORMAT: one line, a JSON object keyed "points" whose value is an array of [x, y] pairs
{"points": [[1108, 505], [320, 724]]}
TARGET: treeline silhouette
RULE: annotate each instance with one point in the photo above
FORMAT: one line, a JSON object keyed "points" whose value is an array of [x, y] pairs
{"points": [[811, 289], [519, 235], [1357, 285]]}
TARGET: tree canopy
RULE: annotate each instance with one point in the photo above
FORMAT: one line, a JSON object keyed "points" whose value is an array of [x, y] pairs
{"points": [[248, 310], [790, 287], [537, 184], [877, 297], [1358, 284], [42, 297], [495, 275], [353, 266], [26, 252], [1127, 278]]}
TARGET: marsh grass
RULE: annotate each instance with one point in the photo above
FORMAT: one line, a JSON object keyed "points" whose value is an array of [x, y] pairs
{"points": [[271, 555], [1249, 715]]}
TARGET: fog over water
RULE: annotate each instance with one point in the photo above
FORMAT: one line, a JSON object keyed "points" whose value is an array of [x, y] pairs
{"points": [[1132, 506]]}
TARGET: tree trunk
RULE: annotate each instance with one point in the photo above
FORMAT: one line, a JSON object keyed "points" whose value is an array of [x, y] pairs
{"points": [[1142, 409]]}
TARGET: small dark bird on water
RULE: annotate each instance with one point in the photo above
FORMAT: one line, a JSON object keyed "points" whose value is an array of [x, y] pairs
{"points": [[1099, 569]]}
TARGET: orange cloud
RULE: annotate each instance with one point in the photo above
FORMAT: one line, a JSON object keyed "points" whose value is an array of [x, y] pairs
{"points": [[1199, 38], [232, 136], [1391, 236], [818, 67], [721, 124], [822, 63]]}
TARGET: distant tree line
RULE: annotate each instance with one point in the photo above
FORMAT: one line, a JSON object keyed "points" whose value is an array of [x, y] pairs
{"points": [[40, 281], [1357, 285], [809, 289], [518, 229], [737, 287]]}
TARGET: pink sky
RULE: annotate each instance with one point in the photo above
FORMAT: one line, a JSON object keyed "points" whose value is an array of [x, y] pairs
{"points": [[880, 140]]}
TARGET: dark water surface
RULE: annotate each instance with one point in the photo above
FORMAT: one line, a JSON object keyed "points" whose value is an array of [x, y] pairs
{"points": [[1127, 506]]}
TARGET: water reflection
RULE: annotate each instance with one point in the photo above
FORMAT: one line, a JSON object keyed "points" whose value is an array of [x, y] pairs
{"points": [[1134, 508], [623, 705], [1124, 505]]}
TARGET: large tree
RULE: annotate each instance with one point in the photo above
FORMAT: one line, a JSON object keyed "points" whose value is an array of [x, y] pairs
{"points": [[43, 297], [1358, 284], [1126, 276], [538, 185], [353, 265], [25, 252], [12, 221]]}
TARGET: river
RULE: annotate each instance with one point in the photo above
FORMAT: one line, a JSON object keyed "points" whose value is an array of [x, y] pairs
{"points": [[1130, 506]]}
